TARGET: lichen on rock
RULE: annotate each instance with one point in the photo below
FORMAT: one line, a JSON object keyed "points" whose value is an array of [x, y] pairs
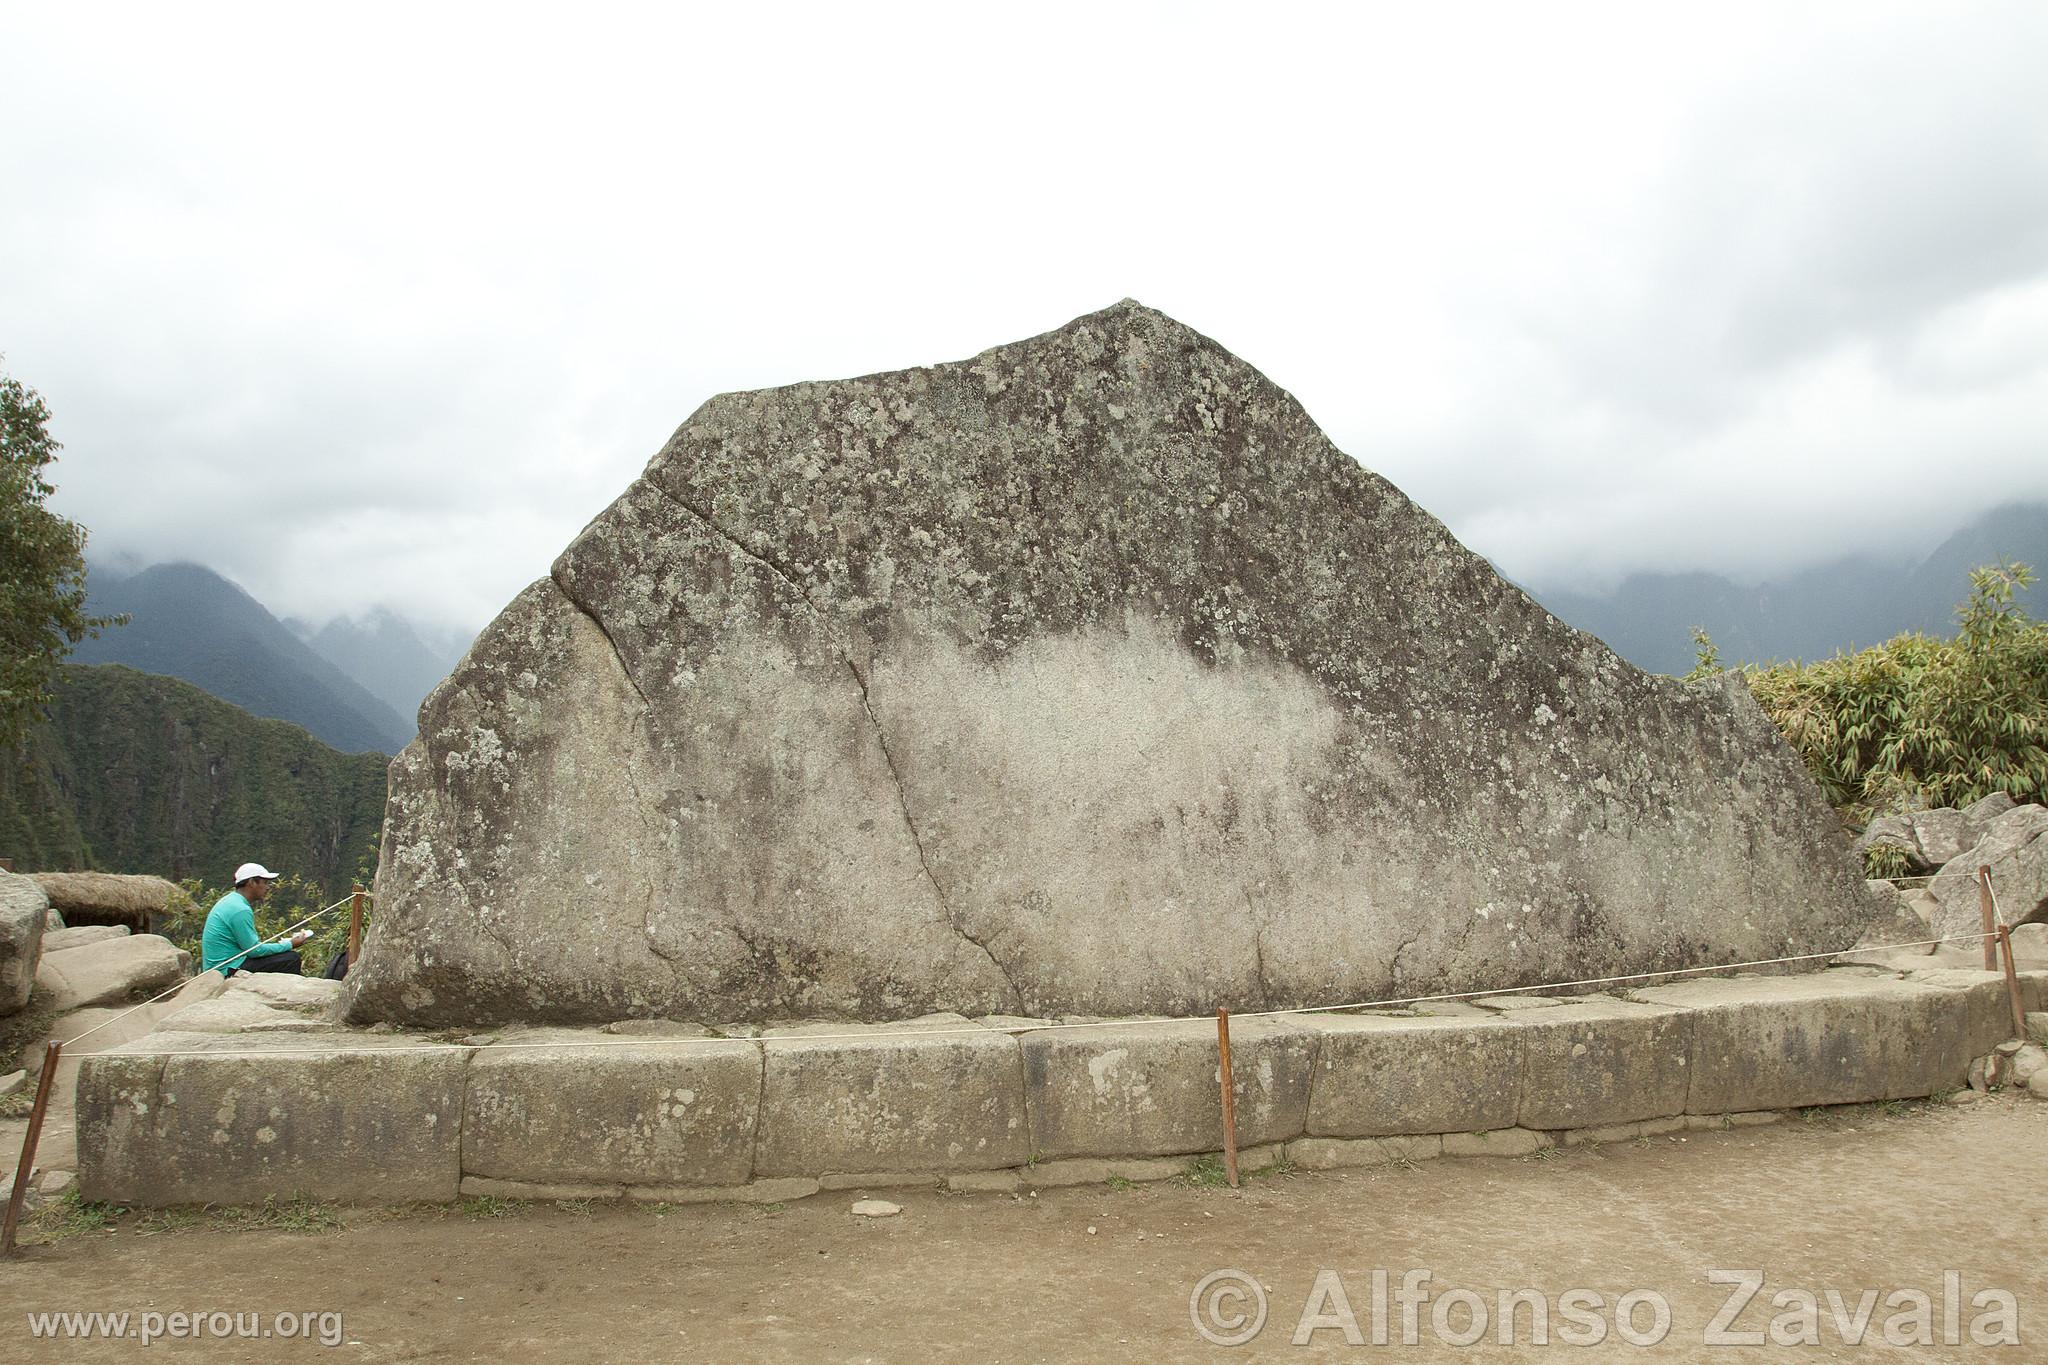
{"points": [[1085, 676]]}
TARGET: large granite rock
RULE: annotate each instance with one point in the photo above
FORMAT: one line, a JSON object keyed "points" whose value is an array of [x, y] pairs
{"points": [[24, 910], [1082, 676], [2015, 847]]}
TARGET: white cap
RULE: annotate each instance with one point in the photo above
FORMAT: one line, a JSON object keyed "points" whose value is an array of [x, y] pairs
{"points": [[248, 870]]}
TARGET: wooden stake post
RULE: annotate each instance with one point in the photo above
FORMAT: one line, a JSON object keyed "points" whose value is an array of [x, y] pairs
{"points": [[1229, 1098], [2012, 986], [355, 924], [27, 1165], [1990, 919]]}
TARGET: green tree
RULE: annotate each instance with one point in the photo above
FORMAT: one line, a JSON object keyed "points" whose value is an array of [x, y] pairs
{"points": [[42, 564]]}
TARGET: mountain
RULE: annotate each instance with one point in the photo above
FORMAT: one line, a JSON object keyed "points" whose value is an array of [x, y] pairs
{"points": [[191, 623], [396, 660], [132, 772], [1843, 605]]}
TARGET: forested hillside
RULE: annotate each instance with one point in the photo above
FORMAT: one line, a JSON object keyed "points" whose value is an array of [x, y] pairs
{"points": [[133, 772], [189, 622]]}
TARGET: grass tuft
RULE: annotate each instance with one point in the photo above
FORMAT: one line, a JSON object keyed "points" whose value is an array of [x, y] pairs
{"points": [[71, 1215]]}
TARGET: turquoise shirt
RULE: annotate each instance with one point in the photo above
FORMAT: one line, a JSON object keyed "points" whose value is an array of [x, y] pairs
{"points": [[231, 927]]}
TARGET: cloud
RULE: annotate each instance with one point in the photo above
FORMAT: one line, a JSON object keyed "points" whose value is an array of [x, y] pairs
{"points": [[382, 312]]}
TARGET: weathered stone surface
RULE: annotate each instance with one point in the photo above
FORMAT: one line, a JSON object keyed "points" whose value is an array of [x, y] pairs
{"points": [[1837, 1038], [1378, 1076], [660, 1113], [369, 1122], [1155, 1089], [1943, 834], [773, 1191], [115, 972], [298, 992], [889, 1101], [231, 1014], [23, 912], [2015, 848], [880, 1180], [1894, 922], [1498, 1142], [1084, 676], [57, 940], [1329, 1154], [1594, 1062]]}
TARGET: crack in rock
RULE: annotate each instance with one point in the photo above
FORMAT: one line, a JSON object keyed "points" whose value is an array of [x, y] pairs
{"points": [[916, 839], [769, 562], [640, 804]]}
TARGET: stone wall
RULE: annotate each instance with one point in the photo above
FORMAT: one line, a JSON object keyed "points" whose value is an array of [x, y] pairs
{"points": [[197, 1116]]}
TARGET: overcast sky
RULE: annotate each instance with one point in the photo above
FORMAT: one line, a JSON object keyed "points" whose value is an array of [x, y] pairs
{"points": [[371, 305]]}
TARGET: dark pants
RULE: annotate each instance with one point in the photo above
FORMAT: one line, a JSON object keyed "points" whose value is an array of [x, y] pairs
{"points": [[286, 962]]}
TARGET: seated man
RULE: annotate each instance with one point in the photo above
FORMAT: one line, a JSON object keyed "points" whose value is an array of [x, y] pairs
{"points": [[229, 943]]}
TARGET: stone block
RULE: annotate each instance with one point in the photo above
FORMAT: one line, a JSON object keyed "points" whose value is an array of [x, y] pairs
{"points": [[668, 1111], [985, 1182], [1381, 1075], [1837, 1037], [1052, 1175], [232, 1120], [1156, 1090], [881, 1180], [775, 1191], [889, 1100], [1497, 1142], [1599, 1061], [1329, 1154], [480, 1187]]}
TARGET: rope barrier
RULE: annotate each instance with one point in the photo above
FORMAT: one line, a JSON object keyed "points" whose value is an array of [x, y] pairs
{"points": [[979, 1030], [224, 968]]}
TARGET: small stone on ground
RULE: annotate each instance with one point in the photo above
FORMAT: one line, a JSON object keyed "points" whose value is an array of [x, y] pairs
{"points": [[876, 1208]]}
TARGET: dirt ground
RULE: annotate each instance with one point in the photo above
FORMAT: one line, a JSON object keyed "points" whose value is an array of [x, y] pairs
{"points": [[1850, 1200]]}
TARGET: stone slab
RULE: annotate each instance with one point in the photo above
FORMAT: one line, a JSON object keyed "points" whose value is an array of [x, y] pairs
{"points": [[295, 992], [1156, 1089], [482, 1187], [1381, 1076], [881, 1180], [1839, 1037], [1592, 1062], [1329, 1154], [117, 971], [658, 1112], [851, 1098], [57, 940], [225, 1119], [1498, 1142], [772, 1191]]}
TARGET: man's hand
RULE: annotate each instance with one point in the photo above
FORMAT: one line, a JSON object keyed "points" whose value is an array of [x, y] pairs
{"points": [[301, 937]]}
